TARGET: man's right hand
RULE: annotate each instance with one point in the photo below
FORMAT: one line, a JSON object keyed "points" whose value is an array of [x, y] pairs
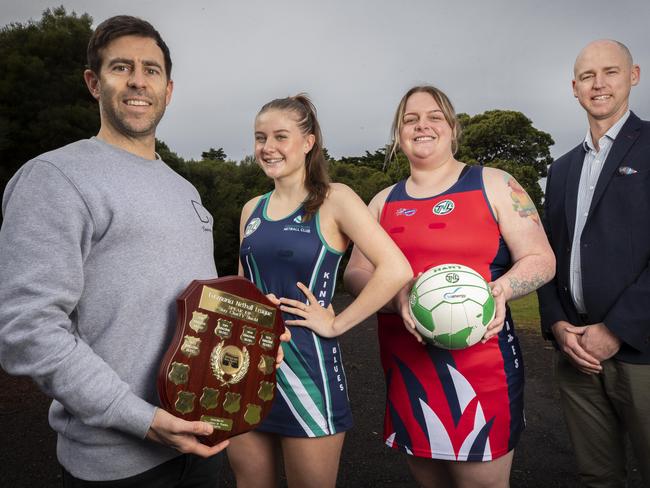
{"points": [[567, 337], [182, 435]]}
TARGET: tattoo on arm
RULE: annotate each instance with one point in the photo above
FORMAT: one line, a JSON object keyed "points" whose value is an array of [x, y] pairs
{"points": [[521, 202], [524, 287]]}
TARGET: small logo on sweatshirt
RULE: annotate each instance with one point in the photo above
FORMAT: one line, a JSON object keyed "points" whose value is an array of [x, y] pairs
{"points": [[203, 215]]}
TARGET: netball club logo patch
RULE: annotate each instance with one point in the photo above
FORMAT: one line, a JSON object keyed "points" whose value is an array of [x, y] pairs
{"points": [[444, 207], [298, 219], [406, 211], [252, 226]]}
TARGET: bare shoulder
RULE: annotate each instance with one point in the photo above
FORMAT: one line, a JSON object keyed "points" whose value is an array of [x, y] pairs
{"points": [[498, 184], [340, 190], [495, 177], [251, 204], [248, 208]]}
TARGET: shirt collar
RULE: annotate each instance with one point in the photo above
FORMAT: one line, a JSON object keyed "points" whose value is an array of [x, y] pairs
{"points": [[612, 133]]}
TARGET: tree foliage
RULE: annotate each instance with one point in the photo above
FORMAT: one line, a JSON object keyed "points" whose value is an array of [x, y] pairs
{"points": [[214, 154], [507, 140], [504, 135], [44, 102], [373, 160]]}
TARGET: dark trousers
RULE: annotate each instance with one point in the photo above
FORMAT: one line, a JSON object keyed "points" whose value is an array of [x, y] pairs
{"points": [[600, 410], [184, 471]]}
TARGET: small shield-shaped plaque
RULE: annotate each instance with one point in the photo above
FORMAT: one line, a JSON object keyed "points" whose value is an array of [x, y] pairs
{"points": [[266, 364], [223, 328], [199, 322], [267, 340], [265, 391], [248, 335], [253, 414], [185, 401], [191, 346], [209, 398], [178, 373], [231, 403]]}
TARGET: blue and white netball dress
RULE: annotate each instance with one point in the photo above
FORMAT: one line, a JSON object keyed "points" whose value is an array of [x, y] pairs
{"points": [[312, 399]]}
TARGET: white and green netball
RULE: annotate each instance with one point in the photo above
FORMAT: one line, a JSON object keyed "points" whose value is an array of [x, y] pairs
{"points": [[451, 306]]}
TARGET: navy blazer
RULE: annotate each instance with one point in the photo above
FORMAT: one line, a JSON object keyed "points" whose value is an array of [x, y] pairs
{"points": [[615, 242]]}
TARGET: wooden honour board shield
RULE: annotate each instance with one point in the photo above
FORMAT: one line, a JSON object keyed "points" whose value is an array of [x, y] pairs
{"points": [[220, 366]]}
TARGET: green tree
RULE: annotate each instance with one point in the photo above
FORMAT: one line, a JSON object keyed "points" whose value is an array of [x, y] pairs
{"points": [[372, 160], [504, 135], [44, 102], [214, 154], [364, 180], [507, 140]]}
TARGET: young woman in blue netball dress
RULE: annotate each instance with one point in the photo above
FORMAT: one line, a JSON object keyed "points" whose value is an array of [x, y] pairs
{"points": [[292, 240], [456, 414]]}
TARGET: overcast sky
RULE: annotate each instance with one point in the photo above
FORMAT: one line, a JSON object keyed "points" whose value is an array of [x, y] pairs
{"points": [[357, 58]]}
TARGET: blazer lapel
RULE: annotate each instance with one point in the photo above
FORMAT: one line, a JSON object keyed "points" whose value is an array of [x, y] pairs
{"points": [[626, 137], [571, 193]]}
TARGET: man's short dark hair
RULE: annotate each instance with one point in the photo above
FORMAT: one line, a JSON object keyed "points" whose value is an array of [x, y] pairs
{"points": [[120, 26]]}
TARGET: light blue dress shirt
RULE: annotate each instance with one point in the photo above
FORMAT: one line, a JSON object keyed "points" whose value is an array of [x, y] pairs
{"points": [[591, 168]]}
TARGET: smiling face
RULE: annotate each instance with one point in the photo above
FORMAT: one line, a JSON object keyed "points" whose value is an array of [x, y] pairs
{"points": [[131, 87], [280, 146], [424, 131], [604, 75]]}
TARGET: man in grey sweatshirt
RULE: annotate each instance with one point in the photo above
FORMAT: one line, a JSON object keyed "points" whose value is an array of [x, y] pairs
{"points": [[98, 239]]}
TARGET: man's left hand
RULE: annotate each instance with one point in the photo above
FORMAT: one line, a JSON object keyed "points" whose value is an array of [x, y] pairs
{"points": [[599, 341]]}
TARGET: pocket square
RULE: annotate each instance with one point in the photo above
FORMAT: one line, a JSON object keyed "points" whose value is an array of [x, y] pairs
{"points": [[626, 170]]}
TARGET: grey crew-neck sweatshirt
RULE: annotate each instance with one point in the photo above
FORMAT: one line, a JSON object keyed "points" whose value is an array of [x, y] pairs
{"points": [[95, 246]]}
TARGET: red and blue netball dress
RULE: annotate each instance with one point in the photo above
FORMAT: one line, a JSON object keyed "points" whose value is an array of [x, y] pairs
{"points": [[460, 405], [312, 398]]}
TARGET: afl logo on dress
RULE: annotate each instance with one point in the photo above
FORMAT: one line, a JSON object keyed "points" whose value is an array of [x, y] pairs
{"points": [[252, 226], [444, 207]]}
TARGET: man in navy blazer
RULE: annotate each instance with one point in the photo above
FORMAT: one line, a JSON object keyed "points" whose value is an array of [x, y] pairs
{"points": [[597, 309]]}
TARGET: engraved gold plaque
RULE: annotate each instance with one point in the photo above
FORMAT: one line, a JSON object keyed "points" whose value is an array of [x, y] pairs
{"points": [[237, 307], [217, 423], [266, 364], [179, 373], [231, 403], [191, 346], [210, 398], [199, 322], [223, 328], [252, 415], [267, 340], [185, 402], [266, 390], [248, 335]]}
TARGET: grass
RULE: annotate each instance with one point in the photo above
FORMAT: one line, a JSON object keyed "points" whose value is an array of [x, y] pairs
{"points": [[525, 312]]}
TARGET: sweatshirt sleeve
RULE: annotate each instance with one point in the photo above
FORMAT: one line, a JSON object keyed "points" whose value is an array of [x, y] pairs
{"points": [[45, 238]]}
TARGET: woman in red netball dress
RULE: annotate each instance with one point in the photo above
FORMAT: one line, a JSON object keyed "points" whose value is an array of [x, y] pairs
{"points": [[457, 414]]}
